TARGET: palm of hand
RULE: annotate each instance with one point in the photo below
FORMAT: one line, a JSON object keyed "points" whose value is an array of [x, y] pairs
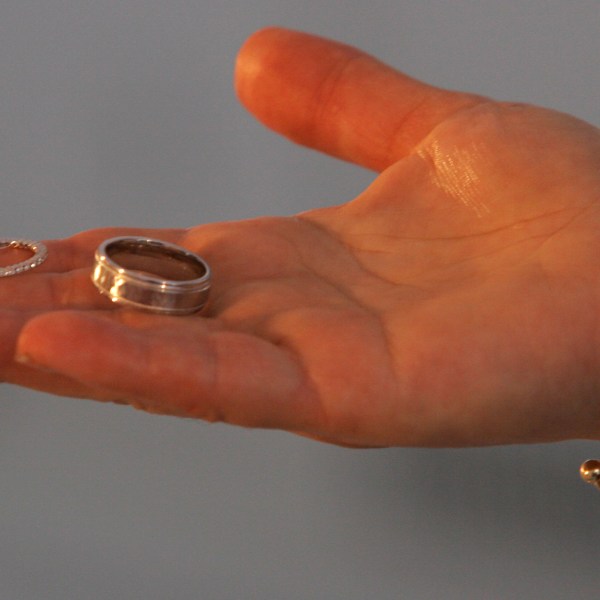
{"points": [[429, 304], [449, 304]]}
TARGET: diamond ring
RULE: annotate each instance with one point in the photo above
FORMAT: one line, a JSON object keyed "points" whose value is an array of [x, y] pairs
{"points": [[40, 253]]}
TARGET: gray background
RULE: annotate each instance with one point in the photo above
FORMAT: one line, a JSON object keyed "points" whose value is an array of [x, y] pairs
{"points": [[122, 112]]}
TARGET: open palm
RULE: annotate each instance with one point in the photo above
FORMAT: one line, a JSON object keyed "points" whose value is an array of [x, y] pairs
{"points": [[454, 302]]}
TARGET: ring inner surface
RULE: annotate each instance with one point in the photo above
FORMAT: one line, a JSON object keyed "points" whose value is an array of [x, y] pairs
{"points": [[156, 261], [11, 254]]}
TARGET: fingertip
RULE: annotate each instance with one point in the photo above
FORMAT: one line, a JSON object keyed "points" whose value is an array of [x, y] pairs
{"points": [[255, 58], [48, 339], [259, 42], [280, 76], [37, 339]]}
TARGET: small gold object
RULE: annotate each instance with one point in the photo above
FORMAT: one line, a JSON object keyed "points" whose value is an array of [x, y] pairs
{"points": [[590, 472]]}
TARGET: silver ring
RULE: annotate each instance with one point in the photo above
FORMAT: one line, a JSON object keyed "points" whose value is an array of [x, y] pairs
{"points": [[151, 275], [40, 253]]}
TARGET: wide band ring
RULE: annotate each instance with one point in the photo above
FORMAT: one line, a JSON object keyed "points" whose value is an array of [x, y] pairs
{"points": [[40, 253], [152, 275]]}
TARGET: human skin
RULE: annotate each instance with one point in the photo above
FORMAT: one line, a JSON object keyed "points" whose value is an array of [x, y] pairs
{"points": [[454, 302]]}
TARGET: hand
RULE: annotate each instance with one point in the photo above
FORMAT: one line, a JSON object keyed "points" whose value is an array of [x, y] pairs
{"points": [[454, 302]]}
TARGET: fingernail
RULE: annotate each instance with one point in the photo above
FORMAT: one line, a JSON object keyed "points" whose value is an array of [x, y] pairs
{"points": [[26, 361], [23, 359]]}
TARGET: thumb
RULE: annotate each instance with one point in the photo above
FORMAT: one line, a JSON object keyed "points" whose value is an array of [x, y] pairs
{"points": [[336, 99]]}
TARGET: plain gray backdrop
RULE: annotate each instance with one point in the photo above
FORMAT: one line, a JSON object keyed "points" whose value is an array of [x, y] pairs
{"points": [[122, 112]]}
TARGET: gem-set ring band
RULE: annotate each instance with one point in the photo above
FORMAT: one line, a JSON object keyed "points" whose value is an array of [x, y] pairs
{"points": [[40, 253], [152, 275]]}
